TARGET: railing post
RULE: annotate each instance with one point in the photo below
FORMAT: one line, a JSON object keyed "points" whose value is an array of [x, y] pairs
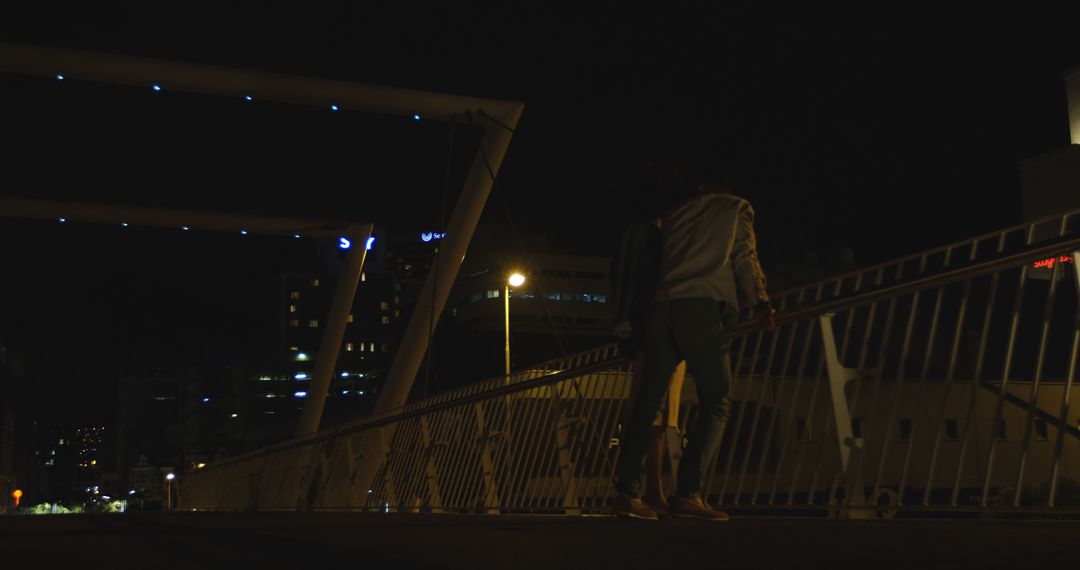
{"points": [[491, 490], [851, 447], [431, 472]]}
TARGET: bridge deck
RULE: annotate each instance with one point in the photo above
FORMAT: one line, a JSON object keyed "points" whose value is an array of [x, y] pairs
{"points": [[292, 540]]}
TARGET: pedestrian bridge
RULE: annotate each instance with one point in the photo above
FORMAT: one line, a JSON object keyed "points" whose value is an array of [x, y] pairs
{"points": [[939, 382]]}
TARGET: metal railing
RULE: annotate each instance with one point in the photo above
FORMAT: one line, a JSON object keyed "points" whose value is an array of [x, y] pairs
{"points": [[938, 381]]}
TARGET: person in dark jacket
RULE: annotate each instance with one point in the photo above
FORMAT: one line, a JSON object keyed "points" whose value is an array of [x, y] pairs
{"points": [[635, 272]]}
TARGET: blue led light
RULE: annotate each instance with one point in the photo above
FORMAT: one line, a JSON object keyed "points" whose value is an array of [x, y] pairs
{"points": [[248, 98], [416, 117], [344, 243], [243, 232], [156, 87], [335, 108], [370, 242], [301, 376]]}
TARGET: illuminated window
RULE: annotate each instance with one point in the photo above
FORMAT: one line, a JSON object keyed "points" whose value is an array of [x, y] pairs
{"points": [[295, 295], [384, 306], [371, 347], [315, 282], [348, 319], [294, 323], [363, 276], [385, 320], [492, 294], [313, 323], [292, 308], [362, 346], [348, 347]]}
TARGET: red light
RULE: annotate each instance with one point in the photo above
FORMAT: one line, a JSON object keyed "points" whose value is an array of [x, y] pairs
{"points": [[1050, 261]]}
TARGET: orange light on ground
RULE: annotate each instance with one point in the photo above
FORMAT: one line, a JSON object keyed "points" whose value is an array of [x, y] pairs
{"points": [[17, 495]]}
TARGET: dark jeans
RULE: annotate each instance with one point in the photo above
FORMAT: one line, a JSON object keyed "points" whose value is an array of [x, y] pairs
{"points": [[691, 330]]}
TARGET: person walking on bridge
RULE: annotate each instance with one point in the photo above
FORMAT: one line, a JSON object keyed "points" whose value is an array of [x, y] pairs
{"points": [[708, 256]]}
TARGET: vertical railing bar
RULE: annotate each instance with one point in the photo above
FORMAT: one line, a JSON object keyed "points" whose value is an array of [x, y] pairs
{"points": [[923, 382], [778, 395], [765, 378], [950, 375], [1005, 372], [853, 402], [976, 379], [1059, 440], [1048, 314], [785, 433], [529, 447], [901, 369]]}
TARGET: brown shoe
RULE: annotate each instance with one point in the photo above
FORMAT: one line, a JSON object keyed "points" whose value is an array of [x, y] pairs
{"points": [[697, 509], [633, 508]]}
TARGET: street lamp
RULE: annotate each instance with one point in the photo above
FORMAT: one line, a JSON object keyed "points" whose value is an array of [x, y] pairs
{"points": [[168, 490], [515, 280]]}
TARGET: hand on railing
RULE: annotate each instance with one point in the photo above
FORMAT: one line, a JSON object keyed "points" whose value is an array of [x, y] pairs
{"points": [[765, 316]]}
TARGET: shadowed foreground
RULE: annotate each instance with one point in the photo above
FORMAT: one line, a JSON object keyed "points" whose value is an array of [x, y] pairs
{"points": [[295, 540]]}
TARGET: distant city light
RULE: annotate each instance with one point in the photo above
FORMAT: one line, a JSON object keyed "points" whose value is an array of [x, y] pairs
{"points": [[344, 392], [296, 236], [416, 117], [243, 232], [344, 374], [234, 415], [206, 399], [429, 236], [131, 492], [156, 87], [361, 392], [200, 466], [63, 220], [60, 76], [248, 98], [300, 394], [301, 376], [184, 228], [344, 243], [169, 477], [370, 242], [302, 357], [123, 224], [334, 108]]}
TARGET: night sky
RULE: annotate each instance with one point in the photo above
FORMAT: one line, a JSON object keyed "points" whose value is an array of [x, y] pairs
{"points": [[884, 132]]}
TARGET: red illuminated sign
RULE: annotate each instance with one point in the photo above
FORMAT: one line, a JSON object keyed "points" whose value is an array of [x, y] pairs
{"points": [[1049, 262]]}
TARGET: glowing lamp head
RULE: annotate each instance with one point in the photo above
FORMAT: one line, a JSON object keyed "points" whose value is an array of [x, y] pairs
{"points": [[516, 280], [170, 477]]}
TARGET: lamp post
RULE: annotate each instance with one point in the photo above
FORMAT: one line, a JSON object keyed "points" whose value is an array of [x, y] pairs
{"points": [[515, 280], [168, 490]]}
